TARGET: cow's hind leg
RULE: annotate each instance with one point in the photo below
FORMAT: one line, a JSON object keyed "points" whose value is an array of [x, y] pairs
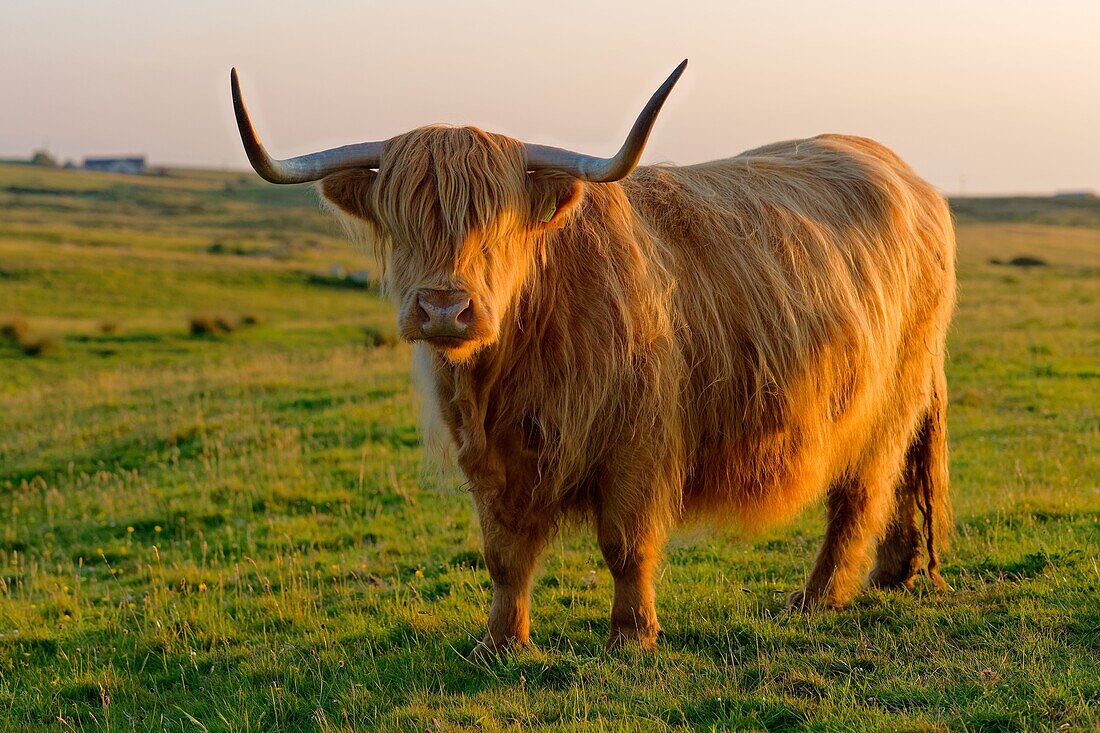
{"points": [[899, 553], [858, 508], [922, 514]]}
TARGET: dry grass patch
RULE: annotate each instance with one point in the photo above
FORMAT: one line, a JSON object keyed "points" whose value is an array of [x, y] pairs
{"points": [[18, 332]]}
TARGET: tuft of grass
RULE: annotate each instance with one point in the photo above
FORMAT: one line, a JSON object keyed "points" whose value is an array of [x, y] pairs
{"points": [[375, 337], [207, 325], [15, 330], [108, 328], [1021, 261]]}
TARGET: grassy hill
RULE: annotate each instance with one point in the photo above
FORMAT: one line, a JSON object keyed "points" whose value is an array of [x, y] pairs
{"points": [[233, 531], [1074, 211]]}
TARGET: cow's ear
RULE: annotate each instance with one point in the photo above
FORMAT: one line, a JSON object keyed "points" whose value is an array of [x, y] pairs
{"points": [[554, 196], [348, 191]]}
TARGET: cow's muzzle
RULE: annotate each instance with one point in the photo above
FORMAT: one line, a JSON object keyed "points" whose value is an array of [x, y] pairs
{"points": [[444, 314]]}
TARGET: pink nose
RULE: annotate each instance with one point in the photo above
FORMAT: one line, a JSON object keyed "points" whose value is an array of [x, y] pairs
{"points": [[444, 313]]}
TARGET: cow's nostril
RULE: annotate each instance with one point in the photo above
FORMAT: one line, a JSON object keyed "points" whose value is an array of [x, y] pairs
{"points": [[466, 313]]}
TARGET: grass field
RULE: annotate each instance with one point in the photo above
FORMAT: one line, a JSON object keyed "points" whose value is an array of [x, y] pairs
{"points": [[234, 532]]}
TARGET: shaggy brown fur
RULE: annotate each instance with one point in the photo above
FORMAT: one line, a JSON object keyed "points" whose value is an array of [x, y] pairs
{"points": [[731, 340]]}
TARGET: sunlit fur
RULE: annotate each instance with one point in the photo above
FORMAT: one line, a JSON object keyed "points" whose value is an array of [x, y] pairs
{"points": [[725, 341]]}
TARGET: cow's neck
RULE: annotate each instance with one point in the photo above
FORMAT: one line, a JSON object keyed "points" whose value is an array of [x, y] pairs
{"points": [[589, 316]]}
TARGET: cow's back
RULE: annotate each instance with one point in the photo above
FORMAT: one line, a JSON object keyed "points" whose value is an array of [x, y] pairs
{"points": [[813, 281]]}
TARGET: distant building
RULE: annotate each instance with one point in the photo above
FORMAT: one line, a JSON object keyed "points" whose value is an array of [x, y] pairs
{"points": [[115, 165], [1078, 194]]}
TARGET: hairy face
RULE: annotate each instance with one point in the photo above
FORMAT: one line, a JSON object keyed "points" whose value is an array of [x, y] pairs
{"points": [[459, 226]]}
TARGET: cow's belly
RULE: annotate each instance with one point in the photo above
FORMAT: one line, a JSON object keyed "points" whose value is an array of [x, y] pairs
{"points": [[767, 478], [758, 481]]}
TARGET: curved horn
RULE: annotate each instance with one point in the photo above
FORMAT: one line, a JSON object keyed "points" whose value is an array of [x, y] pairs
{"points": [[605, 170], [304, 168]]}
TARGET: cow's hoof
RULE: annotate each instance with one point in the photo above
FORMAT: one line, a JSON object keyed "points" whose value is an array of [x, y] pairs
{"points": [[796, 602], [488, 649], [808, 601], [886, 579], [626, 637], [805, 601]]}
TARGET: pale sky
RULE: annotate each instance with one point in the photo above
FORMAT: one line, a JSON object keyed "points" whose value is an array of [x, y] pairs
{"points": [[985, 95]]}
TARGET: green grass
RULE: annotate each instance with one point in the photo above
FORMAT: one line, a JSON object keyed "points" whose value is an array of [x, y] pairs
{"points": [[235, 532]]}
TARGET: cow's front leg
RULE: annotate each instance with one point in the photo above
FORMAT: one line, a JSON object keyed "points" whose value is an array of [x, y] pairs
{"points": [[512, 550], [631, 546]]}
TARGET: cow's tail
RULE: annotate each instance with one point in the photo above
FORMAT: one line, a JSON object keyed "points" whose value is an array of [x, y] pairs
{"points": [[928, 471]]}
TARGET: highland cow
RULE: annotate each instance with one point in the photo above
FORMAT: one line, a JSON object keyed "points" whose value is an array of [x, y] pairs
{"points": [[648, 346]]}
